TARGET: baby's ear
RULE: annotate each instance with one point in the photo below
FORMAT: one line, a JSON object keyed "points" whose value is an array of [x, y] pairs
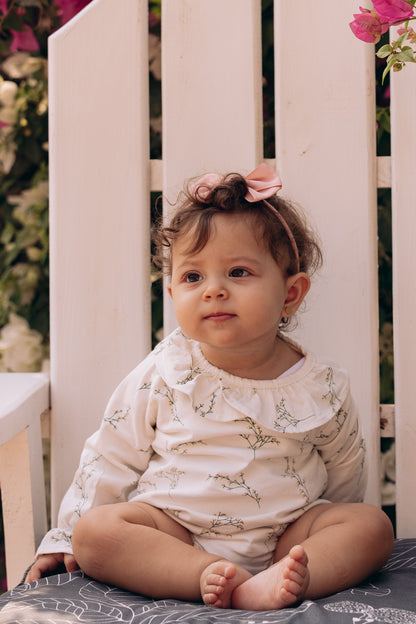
{"points": [[298, 286], [169, 289]]}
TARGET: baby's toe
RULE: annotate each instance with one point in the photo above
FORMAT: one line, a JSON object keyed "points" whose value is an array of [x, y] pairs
{"points": [[215, 579], [291, 586], [210, 599], [295, 575], [213, 589]]}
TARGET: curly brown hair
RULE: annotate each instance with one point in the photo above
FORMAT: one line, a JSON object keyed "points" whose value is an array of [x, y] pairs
{"points": [[200, 204]]}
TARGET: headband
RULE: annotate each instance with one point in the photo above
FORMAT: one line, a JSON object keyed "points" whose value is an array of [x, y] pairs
{"points": [[262, 183]]}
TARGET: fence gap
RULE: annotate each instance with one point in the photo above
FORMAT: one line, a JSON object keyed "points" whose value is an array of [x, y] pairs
{"points": [[268, 79]]}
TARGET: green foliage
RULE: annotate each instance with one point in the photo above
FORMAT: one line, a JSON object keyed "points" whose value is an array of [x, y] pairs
{"points": [[268, 78], [155, 8], [384, 236], [38, 18], [155, 90], [24, 244], [396, 54], [385, 297], [24, 235]]}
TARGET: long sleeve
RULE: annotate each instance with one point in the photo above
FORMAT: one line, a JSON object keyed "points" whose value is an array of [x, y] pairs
{"points": [[342, 449], [112, 460]]}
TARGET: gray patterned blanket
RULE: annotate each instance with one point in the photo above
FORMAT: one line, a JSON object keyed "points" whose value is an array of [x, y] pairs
{"points": [[388, 596]]}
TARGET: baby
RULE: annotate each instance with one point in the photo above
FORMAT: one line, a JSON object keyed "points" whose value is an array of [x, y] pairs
{"points": [[229, 465]]}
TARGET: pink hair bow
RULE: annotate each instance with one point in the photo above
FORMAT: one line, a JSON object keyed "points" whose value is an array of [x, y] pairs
{"points": [[262, 183]]}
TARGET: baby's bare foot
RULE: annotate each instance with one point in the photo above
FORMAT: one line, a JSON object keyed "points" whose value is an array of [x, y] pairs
{"points": [[280, 586], [218, 582]]}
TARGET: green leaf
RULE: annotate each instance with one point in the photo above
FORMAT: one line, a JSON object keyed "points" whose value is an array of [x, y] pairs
{"points": [[399, 41], [406, 56], [384, 51], [155, 7], [389, 65], [7, 234], [383, 118]]}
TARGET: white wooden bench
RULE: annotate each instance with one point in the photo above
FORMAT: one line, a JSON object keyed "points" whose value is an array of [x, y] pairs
{"points": [[101, 178]]}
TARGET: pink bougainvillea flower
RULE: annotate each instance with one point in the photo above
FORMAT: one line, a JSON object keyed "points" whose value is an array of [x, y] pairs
{"points": [[395, 11], [69, 8], [3, 6], [24, 41], [411, 34], [369, 26], [153, 19]]}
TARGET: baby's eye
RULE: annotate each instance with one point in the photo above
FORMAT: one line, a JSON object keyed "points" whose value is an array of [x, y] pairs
{"points": [[192, 277], [239, 272]]}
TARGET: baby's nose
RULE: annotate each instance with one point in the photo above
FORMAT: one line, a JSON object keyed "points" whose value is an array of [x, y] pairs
{"points": [[215, 291]]}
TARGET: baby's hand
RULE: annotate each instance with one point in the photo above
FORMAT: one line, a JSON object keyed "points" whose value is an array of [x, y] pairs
{"points": [[48, 563]]}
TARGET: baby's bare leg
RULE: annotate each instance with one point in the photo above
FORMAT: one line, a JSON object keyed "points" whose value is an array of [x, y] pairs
{"points": [[138, 547], [342, 544]]}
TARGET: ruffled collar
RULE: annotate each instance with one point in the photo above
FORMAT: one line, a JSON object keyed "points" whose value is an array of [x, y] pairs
{"points": [[180, 361], [297, 403]]}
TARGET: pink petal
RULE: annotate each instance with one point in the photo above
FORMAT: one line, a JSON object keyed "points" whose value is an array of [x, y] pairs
{"points": [[368, 26], [24, 40], [69, 8], [394, 10]]}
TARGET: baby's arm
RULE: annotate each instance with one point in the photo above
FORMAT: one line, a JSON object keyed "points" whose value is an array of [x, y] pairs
{"points": [[342, 448], [111, 463], [49, 563]]}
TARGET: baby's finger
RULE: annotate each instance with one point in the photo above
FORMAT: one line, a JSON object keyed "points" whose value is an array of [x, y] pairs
{"points": [[70, 563]]}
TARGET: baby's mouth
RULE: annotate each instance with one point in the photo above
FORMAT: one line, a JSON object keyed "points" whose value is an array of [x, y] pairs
{"points": [[219, 316]]}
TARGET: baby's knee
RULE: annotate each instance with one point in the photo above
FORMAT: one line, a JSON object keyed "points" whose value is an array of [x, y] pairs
{"points": [[378, 530], [384, 525], [95, 538]]}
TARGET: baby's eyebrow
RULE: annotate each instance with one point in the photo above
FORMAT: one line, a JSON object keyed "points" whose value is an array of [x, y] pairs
{"points": [[191, 262], [242, 260], [187, 263]]}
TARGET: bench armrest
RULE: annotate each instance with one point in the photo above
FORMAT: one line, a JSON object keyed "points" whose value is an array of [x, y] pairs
{"points": [[24, 396]]}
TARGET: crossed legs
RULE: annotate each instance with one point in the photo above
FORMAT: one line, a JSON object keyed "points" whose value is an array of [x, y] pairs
{"points": [[140, 548], [329, 548]]}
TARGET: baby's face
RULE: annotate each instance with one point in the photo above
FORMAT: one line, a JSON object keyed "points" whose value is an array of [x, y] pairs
{"points": [[231, 294]]}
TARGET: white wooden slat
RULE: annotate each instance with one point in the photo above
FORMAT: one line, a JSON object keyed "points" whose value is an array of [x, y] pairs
{"points": [[325, 147], [99, 152], [403, 150], [211, 96]]}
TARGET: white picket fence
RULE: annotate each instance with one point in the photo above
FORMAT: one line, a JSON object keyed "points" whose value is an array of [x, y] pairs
{"points": [[101, 178]]}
